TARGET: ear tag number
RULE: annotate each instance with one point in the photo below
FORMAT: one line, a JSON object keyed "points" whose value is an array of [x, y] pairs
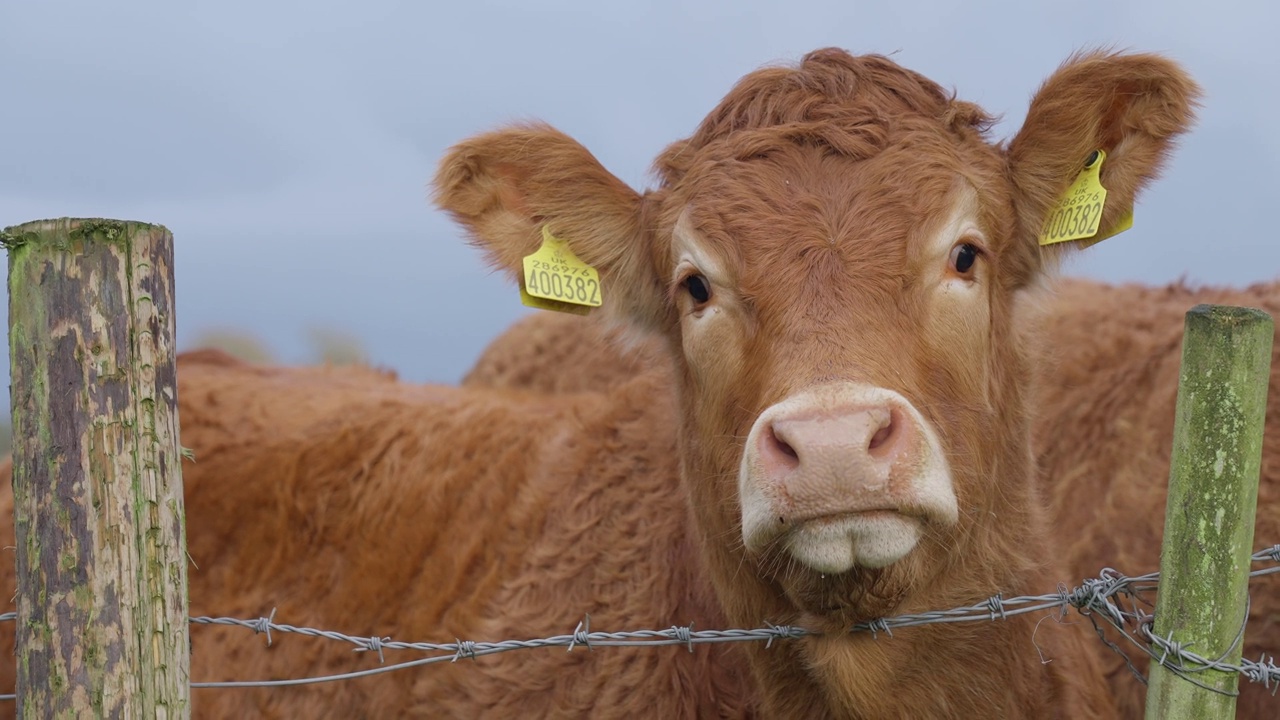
{"points": [[555, 279], [1077, 215]]}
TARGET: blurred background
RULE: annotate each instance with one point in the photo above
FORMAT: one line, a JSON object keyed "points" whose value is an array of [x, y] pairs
{"points": [[288, 144]]}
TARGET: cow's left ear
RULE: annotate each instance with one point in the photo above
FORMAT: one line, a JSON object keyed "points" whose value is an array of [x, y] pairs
{"points": [[1131, 107]]}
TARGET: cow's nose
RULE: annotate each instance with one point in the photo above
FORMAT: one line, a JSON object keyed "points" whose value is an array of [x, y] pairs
{"points": [[841, 449], [843, 475]]}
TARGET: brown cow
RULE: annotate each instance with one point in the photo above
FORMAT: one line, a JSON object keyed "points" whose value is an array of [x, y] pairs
{"points": [[833, 263], [1106, 362]]}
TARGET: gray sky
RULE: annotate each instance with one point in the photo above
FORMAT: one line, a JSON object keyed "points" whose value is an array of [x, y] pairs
{"points": [[288, 145]]}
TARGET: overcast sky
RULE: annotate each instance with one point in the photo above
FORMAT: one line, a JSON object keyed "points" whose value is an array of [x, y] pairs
{"points": [[288, 145]]}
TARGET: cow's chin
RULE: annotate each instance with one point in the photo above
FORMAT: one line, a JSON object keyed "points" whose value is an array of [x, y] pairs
{"points": [[849, 569]]}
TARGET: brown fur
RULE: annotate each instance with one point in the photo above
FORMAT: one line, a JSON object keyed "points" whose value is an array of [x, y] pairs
{"points": [[559, 353], [491, 513], [1106, 362], [350, 514], [554, 352]]}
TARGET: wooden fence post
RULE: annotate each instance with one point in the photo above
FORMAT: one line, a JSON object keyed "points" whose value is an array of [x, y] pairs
{"points": [[98, 504], [1213, 494]]}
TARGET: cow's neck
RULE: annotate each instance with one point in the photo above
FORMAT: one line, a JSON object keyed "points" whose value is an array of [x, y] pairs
{"points": [[980, 669]]}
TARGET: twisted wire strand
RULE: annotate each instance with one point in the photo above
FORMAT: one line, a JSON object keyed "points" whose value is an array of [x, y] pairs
{"points": [[1111, 597]]}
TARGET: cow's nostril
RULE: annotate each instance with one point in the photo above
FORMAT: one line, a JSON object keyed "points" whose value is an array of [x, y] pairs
{"points": [[885, 422], [782, 452], [785, 448], [881, 437]]}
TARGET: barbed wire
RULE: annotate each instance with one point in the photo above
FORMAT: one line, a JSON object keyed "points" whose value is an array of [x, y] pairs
{"points": [[1112, 597], [1095, 597]]}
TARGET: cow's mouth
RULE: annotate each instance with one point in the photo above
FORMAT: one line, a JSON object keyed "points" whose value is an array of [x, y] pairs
{"points": [[837, 543]]}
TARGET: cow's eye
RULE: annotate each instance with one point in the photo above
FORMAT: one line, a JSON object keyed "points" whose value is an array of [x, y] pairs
{"points": [[963, 258], [698, 287]]}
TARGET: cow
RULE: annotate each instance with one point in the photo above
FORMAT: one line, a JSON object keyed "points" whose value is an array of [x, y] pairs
{"points": [[1105, 365], [832, 264]]}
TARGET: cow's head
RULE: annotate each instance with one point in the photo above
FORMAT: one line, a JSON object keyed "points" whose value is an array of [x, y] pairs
{"points": [[834, 257]]}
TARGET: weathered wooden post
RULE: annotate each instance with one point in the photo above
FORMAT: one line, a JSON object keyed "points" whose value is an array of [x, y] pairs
{"points": [[101, 549], [1213, 495]]}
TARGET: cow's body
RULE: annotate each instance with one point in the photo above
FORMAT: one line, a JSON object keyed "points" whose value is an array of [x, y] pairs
{"points": [[538, 512], [832, 266], [1104, 434]]}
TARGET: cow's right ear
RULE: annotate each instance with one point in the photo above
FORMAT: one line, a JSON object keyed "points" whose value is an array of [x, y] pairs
{"points": [[504, 186]]}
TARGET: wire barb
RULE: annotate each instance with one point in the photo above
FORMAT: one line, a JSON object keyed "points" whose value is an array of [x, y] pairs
{"points": [[877, 626], [263, 625], [996, 604], [582, 633], [374, 644], [1263, 671], [466, 648], [684, 634]]}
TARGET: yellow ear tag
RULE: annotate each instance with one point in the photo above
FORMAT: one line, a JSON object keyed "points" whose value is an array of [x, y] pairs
{"points": [[555, 279], [1077, 215]]}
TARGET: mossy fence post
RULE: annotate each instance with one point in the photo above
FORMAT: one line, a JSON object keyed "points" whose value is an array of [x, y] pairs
{"points": [[101, 550], [1213, 495]]}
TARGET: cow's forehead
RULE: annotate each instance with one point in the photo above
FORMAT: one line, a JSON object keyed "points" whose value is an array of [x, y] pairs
{"points": [[799, 202]]}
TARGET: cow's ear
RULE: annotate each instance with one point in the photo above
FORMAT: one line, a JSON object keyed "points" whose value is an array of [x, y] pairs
{"points": [[1131, 107], [506, 186]]}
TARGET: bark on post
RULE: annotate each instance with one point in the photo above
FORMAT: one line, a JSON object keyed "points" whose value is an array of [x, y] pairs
{"points": [[101, 549], [1213, 495]]}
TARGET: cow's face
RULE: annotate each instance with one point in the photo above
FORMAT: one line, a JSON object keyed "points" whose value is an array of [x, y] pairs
{"points": [[833, 312], [834, 258]]}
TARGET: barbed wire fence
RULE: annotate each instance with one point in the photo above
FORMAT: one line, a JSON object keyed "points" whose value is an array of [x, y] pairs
{"points": [[1113, 598]]}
